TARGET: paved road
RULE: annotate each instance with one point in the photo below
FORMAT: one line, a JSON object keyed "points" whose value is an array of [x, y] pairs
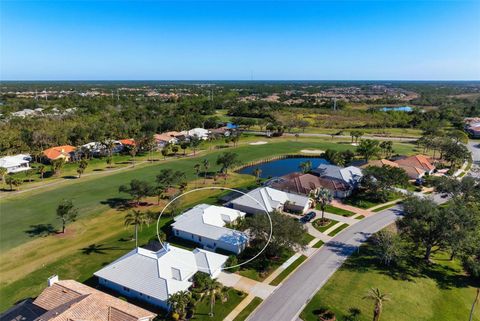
{"points": [[474, 147], [401, 139], [289, 299]]}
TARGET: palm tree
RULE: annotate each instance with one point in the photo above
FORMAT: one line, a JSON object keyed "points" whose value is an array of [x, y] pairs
{"points": [[196, 168], [135, 218], [257, 172], [323, 197], [3, 173], [215, 290], [378, 298], [179, 302], [206, 165], [41, 171], [305, 167]]}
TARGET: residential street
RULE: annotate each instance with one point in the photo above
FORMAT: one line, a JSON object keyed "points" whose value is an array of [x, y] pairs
{"points": [[474, 147], [289, 299]]}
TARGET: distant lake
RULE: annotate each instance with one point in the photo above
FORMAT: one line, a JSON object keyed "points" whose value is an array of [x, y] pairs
{"points": [[399, 108], [282, 167]]}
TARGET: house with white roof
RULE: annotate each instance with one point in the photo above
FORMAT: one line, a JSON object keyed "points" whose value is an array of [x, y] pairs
{"points": [[154, 276], [271, 199], [200, 133], [17, 163], [206, 224]]}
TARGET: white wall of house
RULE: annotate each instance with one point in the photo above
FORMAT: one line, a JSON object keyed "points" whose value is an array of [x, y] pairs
{"points": [[207, 243], [129, 293]]}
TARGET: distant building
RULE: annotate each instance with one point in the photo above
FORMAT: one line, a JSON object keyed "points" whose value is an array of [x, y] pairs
{"points": [[69, 300], [472, 126], [271, 199], [166, 138], [17, 163], [153, 276], [58, 152], [128, 142], [200, 133], [206, 224]]}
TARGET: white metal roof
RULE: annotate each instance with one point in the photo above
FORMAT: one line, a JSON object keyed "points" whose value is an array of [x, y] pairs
{"points": [[209, 221], [270, 198], [162, 273]]}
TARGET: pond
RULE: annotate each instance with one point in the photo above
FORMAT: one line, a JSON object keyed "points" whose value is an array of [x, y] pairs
{"points": [[406, 109], [282, 167]]}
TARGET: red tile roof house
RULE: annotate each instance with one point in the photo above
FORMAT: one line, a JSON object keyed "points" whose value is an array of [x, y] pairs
{"points": [[127, 142], [299, 183], [416, 166], [69, 300], [164, 139], [57, 152]]}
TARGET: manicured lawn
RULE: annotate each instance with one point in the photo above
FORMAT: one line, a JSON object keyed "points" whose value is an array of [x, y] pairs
{"points": [[288, 270], [318, 244], [221, 310], [308, 238], [338, 229], [381, 208], [253, 273], [361, 202], [338, 211], [242, 316], [325, 227], [95, 194], [360, 217], [418, 292]]}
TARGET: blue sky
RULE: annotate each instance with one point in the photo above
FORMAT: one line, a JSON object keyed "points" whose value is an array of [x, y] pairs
{"points": [[273, 40]]}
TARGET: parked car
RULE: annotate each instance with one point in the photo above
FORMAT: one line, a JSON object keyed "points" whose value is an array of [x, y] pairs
{"points": [[307, 217]]}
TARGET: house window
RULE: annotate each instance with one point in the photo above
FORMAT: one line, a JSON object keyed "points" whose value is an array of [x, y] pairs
{"points": [[214, 244], [176, 232], [126, 289], [199, 238]]}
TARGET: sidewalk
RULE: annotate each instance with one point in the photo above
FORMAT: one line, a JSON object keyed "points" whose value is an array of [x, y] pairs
{"points": [[239, 308], [350, 208]]}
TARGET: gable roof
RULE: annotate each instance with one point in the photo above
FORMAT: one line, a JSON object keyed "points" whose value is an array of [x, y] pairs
{"points": [[162, 273], [418, 161], [68, 300], [209, 221], [270, 199], [58, 151]]}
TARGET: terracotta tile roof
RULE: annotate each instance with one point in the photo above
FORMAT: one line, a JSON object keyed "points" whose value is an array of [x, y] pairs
{"points": [[304, 183], [380, 163], [56, 152], [127, 141], [68, 300], [419, 161]]}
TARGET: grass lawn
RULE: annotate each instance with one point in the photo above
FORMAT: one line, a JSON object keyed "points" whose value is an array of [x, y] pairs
{"points": [[325, 227], [308, 238], [381, 208], [92, 195], [242, 316], [338, 229], [339, 211], [288, 270], [221, 309], [360, 217], [318, 244], [361, 202], [420, 292], [253, 273]]}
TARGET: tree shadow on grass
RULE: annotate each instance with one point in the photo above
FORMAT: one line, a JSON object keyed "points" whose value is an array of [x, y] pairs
{"points": [[118, 203], [41, 230], [408, 268], [98, 249]]}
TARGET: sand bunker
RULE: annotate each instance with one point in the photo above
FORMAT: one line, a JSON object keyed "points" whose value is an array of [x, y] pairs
{"points": [[312, 151], [259, 143]]}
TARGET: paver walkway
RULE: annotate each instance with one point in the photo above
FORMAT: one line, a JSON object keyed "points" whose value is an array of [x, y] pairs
{"points": [[314, 232], [260, 289], [344, 219]]}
